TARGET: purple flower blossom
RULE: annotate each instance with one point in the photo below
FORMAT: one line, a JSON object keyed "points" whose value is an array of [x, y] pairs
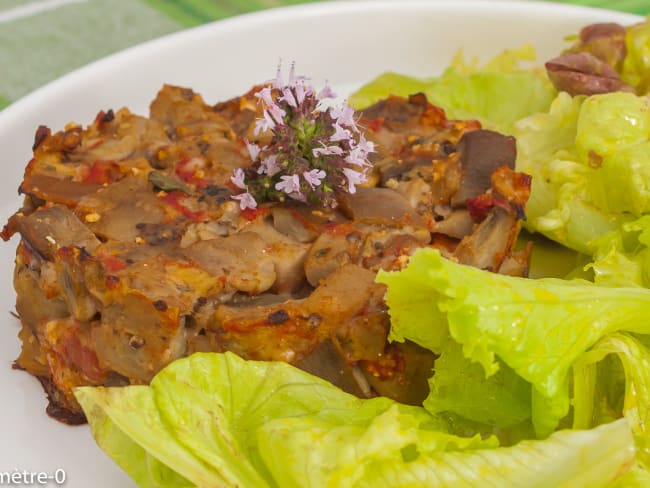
{"points": [[314, 177], [264, 123], [366, 146], [358, 154], [288, 96], [327, 150], [269, 166], [246, 200], [357, 157], [238, 179], [300, 92], [288, 184], [316, 151], [253, 150], [265, 96], [344, 115], [276, 112], [354, 178], [340, 134]]}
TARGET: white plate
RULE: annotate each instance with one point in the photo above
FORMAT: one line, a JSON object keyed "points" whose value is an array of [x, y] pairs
{"points": [[346, 43]]}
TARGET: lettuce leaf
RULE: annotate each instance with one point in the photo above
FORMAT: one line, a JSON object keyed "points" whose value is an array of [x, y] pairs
{"points": [[593, 383], [217, 420], [539, 328], [635, 477], [129, 428], [497, 93], [577, 175], [622, 257], [588, 157], [458, 382], [557, 461]]}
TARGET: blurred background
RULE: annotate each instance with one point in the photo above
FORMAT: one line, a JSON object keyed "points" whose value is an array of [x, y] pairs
{"points": [[41, 40]]}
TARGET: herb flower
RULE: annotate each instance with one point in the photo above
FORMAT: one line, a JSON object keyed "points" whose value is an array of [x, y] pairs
{"points": [[316, 149]]}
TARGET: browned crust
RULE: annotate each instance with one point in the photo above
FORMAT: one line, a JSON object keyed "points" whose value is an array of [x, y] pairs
{"points": [[56, 409]]}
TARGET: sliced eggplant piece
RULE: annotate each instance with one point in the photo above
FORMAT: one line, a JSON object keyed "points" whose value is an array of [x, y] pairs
{"points": [[481, 153]]}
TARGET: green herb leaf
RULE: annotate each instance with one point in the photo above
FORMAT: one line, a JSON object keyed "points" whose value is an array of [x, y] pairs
{"points": [[166, 182]]}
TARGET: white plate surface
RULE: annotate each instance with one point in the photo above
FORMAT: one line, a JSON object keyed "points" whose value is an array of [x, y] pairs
{"points": [[345, 43]]}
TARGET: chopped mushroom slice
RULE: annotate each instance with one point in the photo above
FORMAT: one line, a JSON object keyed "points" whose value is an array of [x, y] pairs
{"points": [[241, 259], [584, 74], [49, 229], [481, 153], [488, 245], [457, 223], [330, 251], [604, 40], [288, 256], [380, 205]]}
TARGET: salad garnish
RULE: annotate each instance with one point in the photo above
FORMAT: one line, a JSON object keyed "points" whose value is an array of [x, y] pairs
{"points": [[268, 424], [316, 149]]}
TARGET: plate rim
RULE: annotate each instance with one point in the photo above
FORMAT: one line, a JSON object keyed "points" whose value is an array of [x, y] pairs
{"points": [[311, 9]]}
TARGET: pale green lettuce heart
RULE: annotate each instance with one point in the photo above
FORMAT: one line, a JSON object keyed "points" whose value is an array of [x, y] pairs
{"points": [[539, 328], [498, 93]]}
